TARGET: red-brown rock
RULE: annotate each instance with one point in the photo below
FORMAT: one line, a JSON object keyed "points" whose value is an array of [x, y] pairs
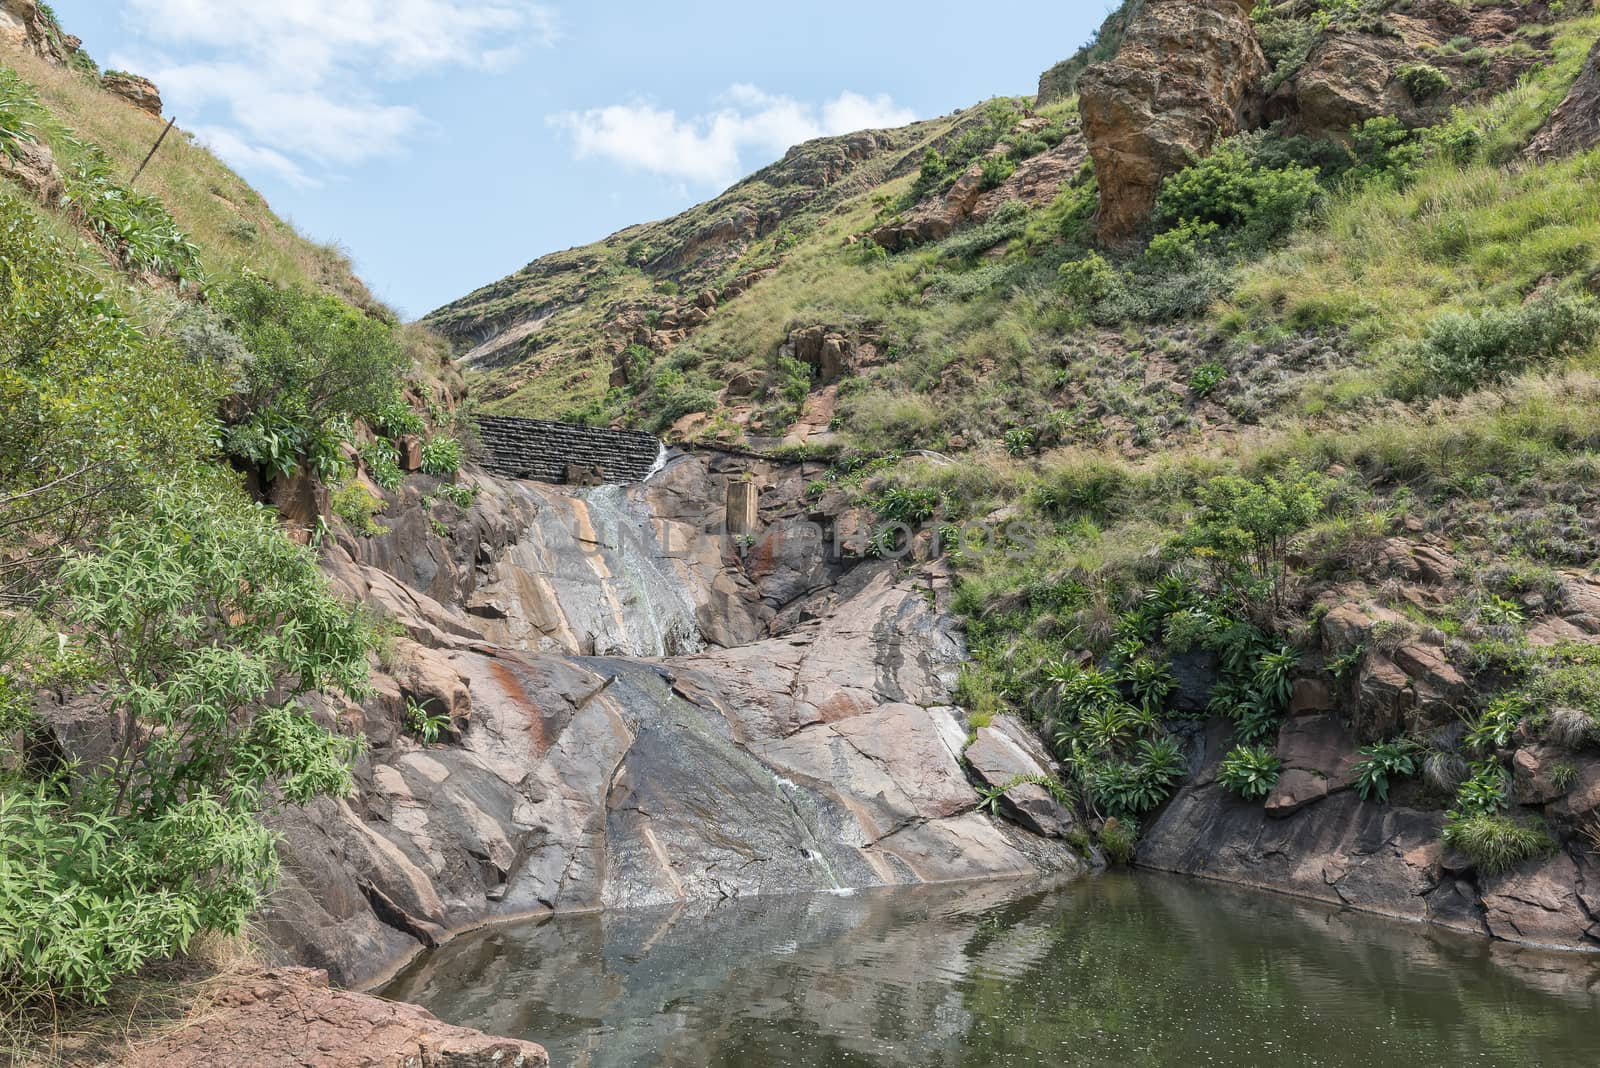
{"points": [[1188, 74], [292, 1018]]}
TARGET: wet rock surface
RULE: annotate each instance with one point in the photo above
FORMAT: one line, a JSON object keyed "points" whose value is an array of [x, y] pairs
{"points": [[638, 716], [1315, 838]]}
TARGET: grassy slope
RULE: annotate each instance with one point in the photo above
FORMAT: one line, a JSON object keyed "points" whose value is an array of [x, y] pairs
{"points": [[230, 222]]}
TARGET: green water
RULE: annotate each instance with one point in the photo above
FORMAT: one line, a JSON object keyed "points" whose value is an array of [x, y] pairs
{"points": [[1114, 970]]}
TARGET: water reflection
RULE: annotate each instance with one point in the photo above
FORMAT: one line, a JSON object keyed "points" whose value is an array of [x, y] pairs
{"points": [[1116, 970]]}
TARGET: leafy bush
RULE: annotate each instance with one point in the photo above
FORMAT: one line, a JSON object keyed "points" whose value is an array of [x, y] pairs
{"points": [[1118, 837], [1250, 771], [1207, 377], [136, 226], [1253, 203], [96, 411], [382, 461], [1249, 521], [1495, 842], [441, 456], [1422, 81], [355, 504], [1382, 762], [1463, 351], [313, 360], [16, 104], [1089, 279], [210, 624], [395, 418], [1018, 440], [996, 169]]}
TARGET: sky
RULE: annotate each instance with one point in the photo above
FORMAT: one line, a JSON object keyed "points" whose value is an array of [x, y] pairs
{"points": [[446, 143]]}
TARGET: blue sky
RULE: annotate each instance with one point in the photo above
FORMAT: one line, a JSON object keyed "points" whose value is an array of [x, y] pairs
{"points": [[445, 143]]}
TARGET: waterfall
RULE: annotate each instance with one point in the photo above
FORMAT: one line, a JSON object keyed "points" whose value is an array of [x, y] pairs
{"points": [[657, 467], [658, 613]]}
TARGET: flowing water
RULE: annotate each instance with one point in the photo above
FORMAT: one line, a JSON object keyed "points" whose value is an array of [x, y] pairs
{"points": [[1113, 970]]}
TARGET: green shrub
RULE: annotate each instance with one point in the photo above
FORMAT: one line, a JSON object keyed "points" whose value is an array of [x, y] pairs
{"points": [[1244, 526], [1207, 377], [16, 104], [1089, 279], [441, 456], [382, 461], [1463, 351], [996, 169], [1118, 837], [1385, 151], [1228, 189], [1018, 441], [314, 360], [199, 625], [1495, 842], [395, 418], [136, 226], [1250, 771], [355, 504], [1422, 81], [1382, 762], [94, 411]]}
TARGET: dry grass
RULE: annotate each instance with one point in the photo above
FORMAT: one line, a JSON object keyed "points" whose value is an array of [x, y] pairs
{"points": [[229, 220], [161, 998]]}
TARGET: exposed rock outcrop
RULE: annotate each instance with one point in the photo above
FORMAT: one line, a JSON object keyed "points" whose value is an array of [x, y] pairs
{"points": [[1188, 74], [139, 91], [807, 748], [1574, 126], [1037, 180], [291, 1018], [1316, 838], [25, 26], [1363, 68]]}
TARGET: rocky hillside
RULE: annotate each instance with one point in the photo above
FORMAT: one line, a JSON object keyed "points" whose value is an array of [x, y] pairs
{"points": [[1264, 342]]}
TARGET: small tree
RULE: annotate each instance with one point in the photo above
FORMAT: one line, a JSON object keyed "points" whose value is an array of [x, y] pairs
{"points": [[1244, 527], [196, 627]]}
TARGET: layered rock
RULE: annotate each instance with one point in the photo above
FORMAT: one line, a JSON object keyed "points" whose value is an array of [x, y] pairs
{"points": [[1316, 838], [1357, 69], [1574, 126], [291, 1017], [25, 25], [139, 91], [807, 749], [1037, 180], [1188, 74]]}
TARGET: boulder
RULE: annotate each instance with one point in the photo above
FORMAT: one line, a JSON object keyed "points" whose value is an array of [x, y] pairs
{"points": [[1188, 74], [140, 92], [33, 166], [26, 27], [1574, 126], [1006, 749], [293, 1018], [1534, 778]]}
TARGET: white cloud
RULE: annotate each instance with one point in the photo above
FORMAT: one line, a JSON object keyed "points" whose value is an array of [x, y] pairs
{"points": [[230, 146], [285, 84], [708, 149]]}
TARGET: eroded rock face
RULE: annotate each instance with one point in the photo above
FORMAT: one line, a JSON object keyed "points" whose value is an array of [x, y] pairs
{"points": [[138, 91], [1188, 74], [1574, 126], [23, 26], [1316, 838], [291, 1018], [1354, 71], [1037, 180], [804, 748]]}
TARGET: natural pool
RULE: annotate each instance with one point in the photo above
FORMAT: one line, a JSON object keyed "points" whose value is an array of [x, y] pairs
{"points": [[1113, 970]]}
